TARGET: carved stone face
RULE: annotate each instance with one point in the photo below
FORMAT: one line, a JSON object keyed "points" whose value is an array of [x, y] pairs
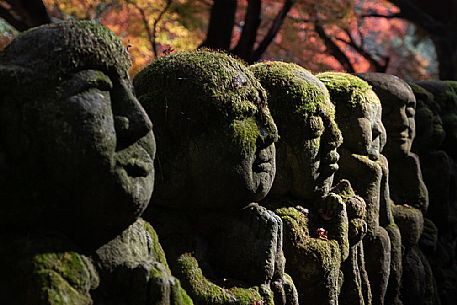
{"points": [[235, 161], [358, 113], [429, 127], [398, 115], [214, 131], [398, 111], [370, 130], [80, 146], [445, 104], [300, 104]]}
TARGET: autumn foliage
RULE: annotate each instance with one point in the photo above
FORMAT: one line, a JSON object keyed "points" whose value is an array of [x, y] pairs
{"points": [[341, 35]]}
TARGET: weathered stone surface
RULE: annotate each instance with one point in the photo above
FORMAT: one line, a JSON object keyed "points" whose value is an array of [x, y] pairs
{"points": [[358, 114], [438, 242], [306, 162], [77, 171], [407, 188], [216, 154]]}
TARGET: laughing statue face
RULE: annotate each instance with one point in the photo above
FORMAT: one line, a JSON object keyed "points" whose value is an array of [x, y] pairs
{"points": [[212, 124], [79, 145], [300, 105]]}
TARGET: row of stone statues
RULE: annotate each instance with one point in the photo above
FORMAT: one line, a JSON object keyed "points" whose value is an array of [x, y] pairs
{"points": [[271, 185]]}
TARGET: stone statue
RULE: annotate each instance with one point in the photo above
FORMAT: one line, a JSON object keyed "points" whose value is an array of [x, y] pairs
{"points": [[215, 160], [407, 188], [439, 171], [77, 172], [315, 220], [358, 114]]}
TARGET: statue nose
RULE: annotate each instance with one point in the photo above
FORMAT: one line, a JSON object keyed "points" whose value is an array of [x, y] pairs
{"points": [[130, 120]]}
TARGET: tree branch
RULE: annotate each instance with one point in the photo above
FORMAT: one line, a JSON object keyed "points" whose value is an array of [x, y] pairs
{"points": [[333, 48], [249, 33], [221, 22], [151, 32], [376, 15], [276, 25], [411, 12], [379, 67], [25, 14]]}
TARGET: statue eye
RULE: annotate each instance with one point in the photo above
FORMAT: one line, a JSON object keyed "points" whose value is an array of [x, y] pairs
{"points": [[410, 110], [84, 81], [314, 127]]}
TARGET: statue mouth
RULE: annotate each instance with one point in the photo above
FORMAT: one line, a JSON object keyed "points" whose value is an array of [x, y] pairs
{"points": [[137, 168], [263, 167], [136, 163], [263, 162]]}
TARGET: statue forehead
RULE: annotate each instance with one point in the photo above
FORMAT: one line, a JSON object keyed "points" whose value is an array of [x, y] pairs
{"points": [[390, 88], [348, 90], [55, 50], [203, 77], [291, 87]]}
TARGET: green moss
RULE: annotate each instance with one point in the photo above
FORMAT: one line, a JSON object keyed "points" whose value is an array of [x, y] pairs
{"points": [[291, 86], [346, 89], [246, 133], [313, 263], [189, 93], [57, 291], [69, 265], [62, 48], [62, 278], [204, 292], [156, 247], [199, 77], [295, 98]]}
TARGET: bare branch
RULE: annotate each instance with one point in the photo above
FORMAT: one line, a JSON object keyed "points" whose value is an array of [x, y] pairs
{"points": [[333, 48], [274, 29], [249, 33], [221, 22], [151, 32], [376, 15], [414, 14], [155, 24]]}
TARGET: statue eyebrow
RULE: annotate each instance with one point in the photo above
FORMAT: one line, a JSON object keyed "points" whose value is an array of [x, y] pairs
{"points": [[86, 79]]}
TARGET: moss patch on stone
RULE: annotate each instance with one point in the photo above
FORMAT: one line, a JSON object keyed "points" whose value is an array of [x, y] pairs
{"points": [[191, 91], [204, 292], [295, 98], [59, 49], [347, 89]]}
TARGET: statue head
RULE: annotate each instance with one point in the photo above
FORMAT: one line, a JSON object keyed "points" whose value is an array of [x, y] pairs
{"points": [[358, 113], [78, 146], [429, 127], [445, 97], [398, 111], [300, 104], [214, 131]]}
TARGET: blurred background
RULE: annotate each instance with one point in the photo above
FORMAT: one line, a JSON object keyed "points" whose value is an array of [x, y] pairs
{"points": [[414, 39]]}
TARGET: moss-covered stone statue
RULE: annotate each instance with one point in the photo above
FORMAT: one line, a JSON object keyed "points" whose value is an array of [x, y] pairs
{"points": [[315, 220], [358, 113], [435, 163], [407, 188], [76, 173], [440, 176], [445, 96], [215, 159]]}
